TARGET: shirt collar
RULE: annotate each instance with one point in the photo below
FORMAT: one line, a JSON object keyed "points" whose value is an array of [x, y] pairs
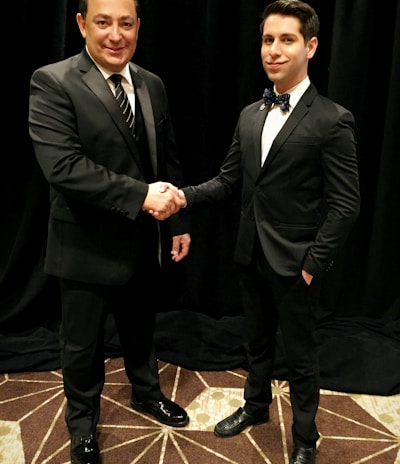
{"points": [[106, 74], [297, 91]]}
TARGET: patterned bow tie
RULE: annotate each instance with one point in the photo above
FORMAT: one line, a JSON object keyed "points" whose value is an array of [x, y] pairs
{"points": [[270, 98]]}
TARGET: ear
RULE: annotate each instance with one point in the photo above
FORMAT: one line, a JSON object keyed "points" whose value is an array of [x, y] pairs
{"points": [[137, 27], [81, 24], [312, 45]]}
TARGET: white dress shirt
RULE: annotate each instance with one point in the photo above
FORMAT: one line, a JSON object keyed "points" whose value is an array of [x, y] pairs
{"points": [[276, 118], [126, 81]]}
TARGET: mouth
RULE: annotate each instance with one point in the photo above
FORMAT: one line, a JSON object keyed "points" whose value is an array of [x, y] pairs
{"points": [[274, 65], [115, 51]]}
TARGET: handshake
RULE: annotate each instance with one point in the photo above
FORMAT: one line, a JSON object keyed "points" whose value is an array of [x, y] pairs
{"points": [[163, 199]]}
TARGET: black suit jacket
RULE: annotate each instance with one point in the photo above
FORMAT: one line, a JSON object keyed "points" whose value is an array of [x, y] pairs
{"points": [[92, 163], [304, 200]]}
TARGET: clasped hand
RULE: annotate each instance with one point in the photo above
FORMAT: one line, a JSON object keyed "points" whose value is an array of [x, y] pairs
{"points": [[163, 199]]}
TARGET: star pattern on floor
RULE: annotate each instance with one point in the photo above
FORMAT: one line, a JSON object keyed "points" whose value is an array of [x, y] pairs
{"points": [[354, 428]]}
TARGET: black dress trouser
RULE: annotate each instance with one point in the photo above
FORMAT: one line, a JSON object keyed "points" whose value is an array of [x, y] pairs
{"points": [[85, 307], [271, 303]]}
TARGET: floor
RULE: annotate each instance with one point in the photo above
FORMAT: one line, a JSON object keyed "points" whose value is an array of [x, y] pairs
{"points": [[354, 428]]}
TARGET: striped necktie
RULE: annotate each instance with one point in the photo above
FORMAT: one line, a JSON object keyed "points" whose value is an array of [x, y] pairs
{"points": [[123, 101]]}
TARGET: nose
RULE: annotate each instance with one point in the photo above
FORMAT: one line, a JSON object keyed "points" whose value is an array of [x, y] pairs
{"points": [[275, 48], [115, 33]]}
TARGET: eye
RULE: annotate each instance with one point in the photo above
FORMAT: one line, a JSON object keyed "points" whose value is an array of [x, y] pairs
{"points": [[127, 25], [101, 23], [289, 39]]}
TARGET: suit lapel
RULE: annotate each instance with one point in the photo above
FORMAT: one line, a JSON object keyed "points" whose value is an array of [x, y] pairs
{"points": [[95, 81], [284, 133], [100, 88], [293, 120], [142, 93], [260, 116]]}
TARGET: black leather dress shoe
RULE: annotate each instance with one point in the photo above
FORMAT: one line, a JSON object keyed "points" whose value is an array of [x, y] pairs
{"points": [[84, 450], [165, 411], [237, 422], [303, 455]]}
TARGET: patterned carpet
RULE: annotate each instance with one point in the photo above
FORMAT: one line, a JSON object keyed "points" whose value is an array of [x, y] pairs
{"points": [[354, 428]]}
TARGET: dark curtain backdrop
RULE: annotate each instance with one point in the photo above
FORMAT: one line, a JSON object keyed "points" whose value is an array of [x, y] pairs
{"points": [[208, 54]]}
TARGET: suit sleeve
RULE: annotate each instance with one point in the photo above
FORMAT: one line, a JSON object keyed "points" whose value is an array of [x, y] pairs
{"points": [[55, 115], [341, 193]]}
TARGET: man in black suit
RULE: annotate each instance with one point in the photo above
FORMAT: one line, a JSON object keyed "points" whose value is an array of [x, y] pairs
{"points": [[298, 173], [102, 244]]}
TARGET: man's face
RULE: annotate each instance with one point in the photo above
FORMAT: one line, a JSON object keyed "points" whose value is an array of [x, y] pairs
{"points": [[110, 30], [284, 53]]}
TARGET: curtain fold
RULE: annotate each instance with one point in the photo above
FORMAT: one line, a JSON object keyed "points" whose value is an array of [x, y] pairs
{"points": [[208, 54]]}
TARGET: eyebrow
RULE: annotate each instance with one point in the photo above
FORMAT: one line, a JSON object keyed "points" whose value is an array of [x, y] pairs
{"points": [[284, 35], [101, 15], [106, 16]]}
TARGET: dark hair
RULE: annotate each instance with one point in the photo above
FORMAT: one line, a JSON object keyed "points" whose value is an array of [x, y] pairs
{"points": [[84, 3], [309, 21]]}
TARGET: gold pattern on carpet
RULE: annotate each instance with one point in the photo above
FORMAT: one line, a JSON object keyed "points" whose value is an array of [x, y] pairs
{"points": [[354, 429]]}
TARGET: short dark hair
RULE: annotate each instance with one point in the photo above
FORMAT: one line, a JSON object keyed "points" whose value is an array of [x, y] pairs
{"points": [[309, 21], [84, 3]]}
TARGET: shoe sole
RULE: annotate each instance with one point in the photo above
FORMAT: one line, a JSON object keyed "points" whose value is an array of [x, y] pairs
{"points": [[139, 408], [73, 461]]}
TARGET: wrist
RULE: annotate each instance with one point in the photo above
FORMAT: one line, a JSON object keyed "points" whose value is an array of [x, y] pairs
{"points": [[183, 197]]}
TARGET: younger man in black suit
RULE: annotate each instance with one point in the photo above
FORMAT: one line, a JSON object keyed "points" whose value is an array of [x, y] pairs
{"points": [[294, 158]]}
